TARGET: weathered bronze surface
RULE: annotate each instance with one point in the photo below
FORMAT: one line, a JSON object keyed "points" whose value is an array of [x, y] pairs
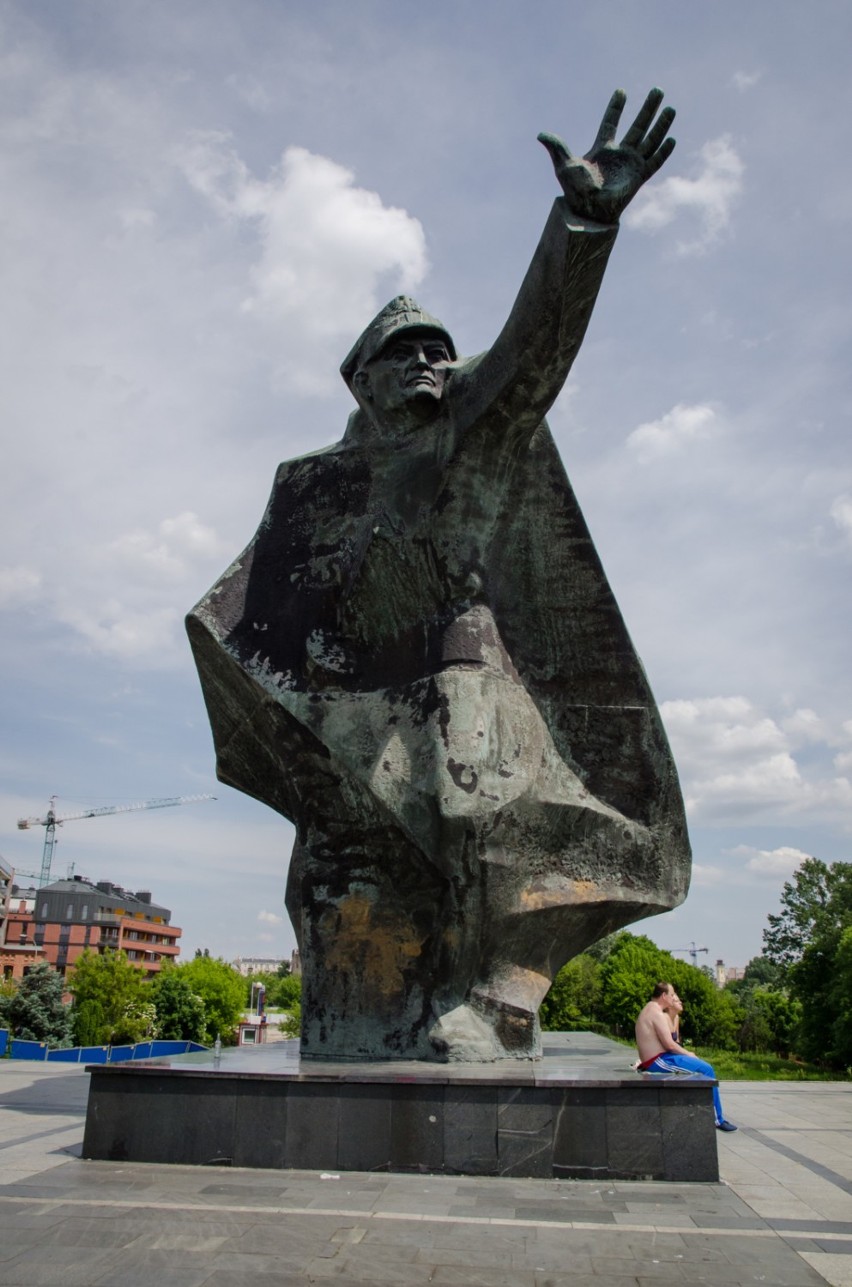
{"points": [[418, 660]]}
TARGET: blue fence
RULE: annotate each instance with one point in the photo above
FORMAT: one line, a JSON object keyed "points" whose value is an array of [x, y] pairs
{"points": [[96, 1054]]}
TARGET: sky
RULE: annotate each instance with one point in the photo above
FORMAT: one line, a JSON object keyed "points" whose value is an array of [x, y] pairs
{"points": [[205, 202]]}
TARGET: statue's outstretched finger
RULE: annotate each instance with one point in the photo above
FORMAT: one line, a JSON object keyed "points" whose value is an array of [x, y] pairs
{"points": [[609, 124], [662, 154], [656, 135], [560, 153], [644, 117]]}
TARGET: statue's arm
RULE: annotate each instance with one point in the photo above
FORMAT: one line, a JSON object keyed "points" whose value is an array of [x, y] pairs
{"points": [[516, 382]]}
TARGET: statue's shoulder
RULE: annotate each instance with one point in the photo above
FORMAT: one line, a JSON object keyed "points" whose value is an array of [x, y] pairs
{"points": [[337, 459]]}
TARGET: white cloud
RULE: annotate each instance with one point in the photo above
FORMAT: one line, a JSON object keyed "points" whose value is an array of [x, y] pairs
{"points": [[678, 427], [745, 80], [841, 513], [269, 918], [118, 630], [710, 195], [736, 763], [19, 586], [774, 864], [843, 758], [171, 552], [324, 249], [250, 91], [705, 875], [805, 726], [127, 597]]}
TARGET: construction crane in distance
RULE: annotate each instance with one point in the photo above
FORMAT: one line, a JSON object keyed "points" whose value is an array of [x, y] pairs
{"points": [[692, 951], [51, 821]]}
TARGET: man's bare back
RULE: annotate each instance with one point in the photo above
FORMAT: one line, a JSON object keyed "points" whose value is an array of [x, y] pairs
{"points": [[653, 1030]]}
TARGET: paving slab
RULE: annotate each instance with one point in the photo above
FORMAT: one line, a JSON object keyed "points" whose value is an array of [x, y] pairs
{"points": [[781, 1216]]}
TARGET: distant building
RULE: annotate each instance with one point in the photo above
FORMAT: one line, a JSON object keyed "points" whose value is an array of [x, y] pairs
{"points": [[57, 923], [258, 964], [248, 965], [727, 973], [16, 957]]}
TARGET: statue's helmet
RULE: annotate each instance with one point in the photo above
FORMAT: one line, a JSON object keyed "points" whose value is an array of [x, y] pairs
{"points": [[401, 314]]}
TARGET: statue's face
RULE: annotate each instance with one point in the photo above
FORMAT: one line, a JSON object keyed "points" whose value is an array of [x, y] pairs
{"points": [[408, 374]]}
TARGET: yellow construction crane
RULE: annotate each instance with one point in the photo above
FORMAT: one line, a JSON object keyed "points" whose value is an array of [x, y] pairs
{"points": [[51, 821]]}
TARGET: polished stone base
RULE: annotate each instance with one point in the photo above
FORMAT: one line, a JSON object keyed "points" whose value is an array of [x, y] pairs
{"points": [[579, 1112]]}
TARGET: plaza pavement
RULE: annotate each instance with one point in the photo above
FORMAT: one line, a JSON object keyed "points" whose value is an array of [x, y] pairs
{"points": [[782, 1216]]}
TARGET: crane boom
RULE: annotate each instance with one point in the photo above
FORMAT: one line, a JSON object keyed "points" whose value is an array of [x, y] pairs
{"points": [[692, 951], [51, 821]]}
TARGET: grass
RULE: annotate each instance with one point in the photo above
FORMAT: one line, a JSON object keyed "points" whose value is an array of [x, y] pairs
{"points": [[732, 1065]]}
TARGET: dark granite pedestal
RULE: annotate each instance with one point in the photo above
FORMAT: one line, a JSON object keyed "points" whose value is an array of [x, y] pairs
{"points": [[579, 1112]]}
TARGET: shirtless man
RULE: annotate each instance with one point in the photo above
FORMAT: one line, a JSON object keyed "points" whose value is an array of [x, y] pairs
{"points": [[658, 1050]]}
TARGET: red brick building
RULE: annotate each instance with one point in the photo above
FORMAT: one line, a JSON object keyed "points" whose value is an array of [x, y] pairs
{"points": [[57, 923], [16, 956]]}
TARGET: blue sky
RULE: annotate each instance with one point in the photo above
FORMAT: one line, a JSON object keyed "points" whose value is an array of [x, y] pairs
{"points": [[205, 202]]}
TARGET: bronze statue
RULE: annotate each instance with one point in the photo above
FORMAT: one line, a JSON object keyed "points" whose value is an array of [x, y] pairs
{"points": [[418, 660]]}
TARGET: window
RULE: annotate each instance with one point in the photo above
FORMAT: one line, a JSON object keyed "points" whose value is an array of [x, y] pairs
{"points": [[44, 911], [69, 912], [84, 912]]}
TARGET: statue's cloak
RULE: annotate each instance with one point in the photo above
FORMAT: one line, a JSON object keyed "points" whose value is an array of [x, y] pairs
{"points": [[419, 660], [342, 606]]}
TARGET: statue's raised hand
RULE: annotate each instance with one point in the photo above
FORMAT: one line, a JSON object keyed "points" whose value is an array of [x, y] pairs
{"points": [[600, 184]]}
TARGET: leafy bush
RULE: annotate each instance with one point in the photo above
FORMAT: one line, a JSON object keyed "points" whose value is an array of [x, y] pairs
{"points": [[572, 1004], [35, 1010], [112, 1005], [181, 1015], [222, 991]]}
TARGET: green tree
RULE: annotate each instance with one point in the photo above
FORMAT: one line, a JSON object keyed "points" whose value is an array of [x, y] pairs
{"points": [[284, 992], [600, 951], [112, 1003], [755, 1033], [180, 1011], [35, 1010], [711, 1018], [8, 988], [628, 975], [814, 904], [222, 989], [783, 1014], [807, 938], [841, 1002], [89, 1022], [572, 1003], [762, 972], [288, 997]]}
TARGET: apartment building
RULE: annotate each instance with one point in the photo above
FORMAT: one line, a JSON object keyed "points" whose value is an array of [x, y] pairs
{"points": [[57, 923]]}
